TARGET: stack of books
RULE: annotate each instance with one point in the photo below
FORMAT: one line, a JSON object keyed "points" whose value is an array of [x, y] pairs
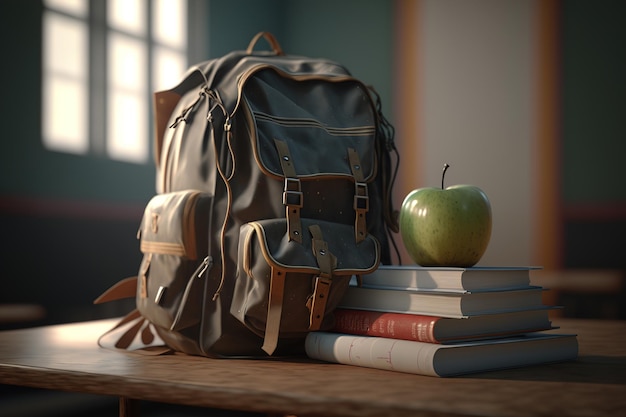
{"points": [[442, 322]]}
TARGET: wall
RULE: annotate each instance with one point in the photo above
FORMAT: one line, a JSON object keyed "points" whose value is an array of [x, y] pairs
{"points": [[355, 33], [476, 100], [69, 223], [525, 99], [594, 145]]}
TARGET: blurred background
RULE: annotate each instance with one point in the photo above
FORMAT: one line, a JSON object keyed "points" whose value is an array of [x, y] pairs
{"points": [[524, 98]]}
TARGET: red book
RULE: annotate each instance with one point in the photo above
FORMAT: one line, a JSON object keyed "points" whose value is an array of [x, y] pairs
{"points": [[433, 329]]}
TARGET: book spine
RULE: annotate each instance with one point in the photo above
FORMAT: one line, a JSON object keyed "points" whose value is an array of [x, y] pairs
{"points": [[372, 352], [391, 325]]}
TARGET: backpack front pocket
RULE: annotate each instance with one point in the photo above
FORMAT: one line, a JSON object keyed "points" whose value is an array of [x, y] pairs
{"points": [[304, 280]]}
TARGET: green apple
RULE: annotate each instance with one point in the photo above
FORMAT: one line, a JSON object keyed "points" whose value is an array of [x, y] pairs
{"points": [[446, 227]]}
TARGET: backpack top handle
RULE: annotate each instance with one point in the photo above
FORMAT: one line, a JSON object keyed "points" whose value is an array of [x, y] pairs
{"points": [[270, 39]]}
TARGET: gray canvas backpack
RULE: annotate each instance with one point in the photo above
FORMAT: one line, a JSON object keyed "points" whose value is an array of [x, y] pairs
{"points": [[274, 177]]}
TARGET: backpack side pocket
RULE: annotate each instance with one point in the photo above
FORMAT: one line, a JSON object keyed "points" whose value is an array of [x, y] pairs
{"points": [[174, 241]]}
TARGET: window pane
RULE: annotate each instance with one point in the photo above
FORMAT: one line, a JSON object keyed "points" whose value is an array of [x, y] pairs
{"points": [[127, 15], [64, 91], [65, 114], [75, 7], [168, 67], [169, 22], [127, 63], [65, 45], [127, 137]]}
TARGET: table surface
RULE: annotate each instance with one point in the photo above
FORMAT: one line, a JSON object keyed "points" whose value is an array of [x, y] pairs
{"points": [[67, 357]]}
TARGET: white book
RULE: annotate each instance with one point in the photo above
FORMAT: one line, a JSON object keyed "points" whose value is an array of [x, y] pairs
{"points": [[441, 360], [448, 278], [442, 304]]}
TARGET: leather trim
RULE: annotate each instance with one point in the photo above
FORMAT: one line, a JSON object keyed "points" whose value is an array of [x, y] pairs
{"points": [[164, 104], [126, 288]]}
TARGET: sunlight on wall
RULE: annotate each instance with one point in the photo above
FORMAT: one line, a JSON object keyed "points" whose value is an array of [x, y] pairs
{"points": [[169, 25], [140, 58], [127, 106], [127, 15], [65, 104], [169, 22]]}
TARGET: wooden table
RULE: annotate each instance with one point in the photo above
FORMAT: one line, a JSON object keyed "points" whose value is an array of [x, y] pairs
{"points": [[67, 358]]}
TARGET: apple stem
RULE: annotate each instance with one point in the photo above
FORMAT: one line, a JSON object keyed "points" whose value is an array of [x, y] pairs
{"points": [[443, 174]]}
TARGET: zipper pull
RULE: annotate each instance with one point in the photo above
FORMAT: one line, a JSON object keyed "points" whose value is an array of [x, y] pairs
{"points": [[185, 113], [217, 103], [206, 264]]}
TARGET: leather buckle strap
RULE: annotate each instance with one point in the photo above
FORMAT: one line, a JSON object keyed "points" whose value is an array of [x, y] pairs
{"points": [[274, 311], [361, 206], [292, 199], [318, 302], [361, 196], [292, 192], [326, 262]]}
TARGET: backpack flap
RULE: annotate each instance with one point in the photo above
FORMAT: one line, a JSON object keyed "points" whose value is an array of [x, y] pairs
{"points": [[173, 239], [311, 128], [286, 288], [319, 118]]}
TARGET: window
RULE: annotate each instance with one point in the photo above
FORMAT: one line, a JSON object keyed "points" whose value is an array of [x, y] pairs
{"points": [[102, 60], [65, 79]]}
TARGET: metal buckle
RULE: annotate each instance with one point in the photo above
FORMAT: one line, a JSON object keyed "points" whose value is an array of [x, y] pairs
{"points": [[292, 194], [361, 197]]}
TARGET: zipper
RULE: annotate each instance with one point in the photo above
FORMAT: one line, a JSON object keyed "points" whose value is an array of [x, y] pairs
{"points": [[302, 122], [207, 262], [299, 77]]}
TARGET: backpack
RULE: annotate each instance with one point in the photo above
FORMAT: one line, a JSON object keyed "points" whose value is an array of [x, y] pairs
{"points": [[273, 175]]}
